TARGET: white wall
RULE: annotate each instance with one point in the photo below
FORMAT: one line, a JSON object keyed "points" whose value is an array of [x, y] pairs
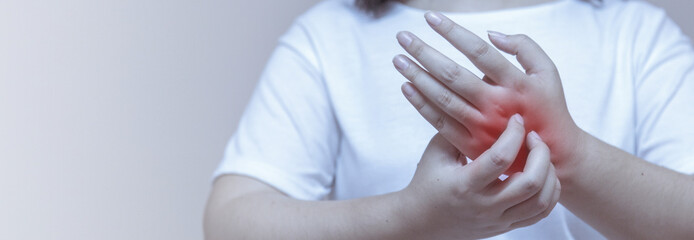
{"points": [[114, 113]]}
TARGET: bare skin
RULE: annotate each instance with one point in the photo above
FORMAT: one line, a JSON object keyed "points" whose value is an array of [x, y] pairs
{"points": [[599, 184], [240, 207], [620, 195], [447, 199]]}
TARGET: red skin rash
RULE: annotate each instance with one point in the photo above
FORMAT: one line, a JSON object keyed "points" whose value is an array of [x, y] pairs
{"points": [[489, 130], [497, 111], [482, 114]]}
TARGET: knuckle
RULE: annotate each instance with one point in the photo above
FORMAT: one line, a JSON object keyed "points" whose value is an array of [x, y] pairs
{"points": [[452, 73], [542, 204], [417, 49], [479, 50], [532, 185], [498, 109], [461, 192], [440, 122], [419, 105], [418, 75], [498, 159], [445, 99], [447, 27]]}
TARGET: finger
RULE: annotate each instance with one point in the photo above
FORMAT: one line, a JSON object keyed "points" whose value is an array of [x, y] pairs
{"points": [[441, 96], [528, 53], [535, 219], [492, 163], [521, 186], [482, 55], [535, 205], [451, 130], [456, 77]]}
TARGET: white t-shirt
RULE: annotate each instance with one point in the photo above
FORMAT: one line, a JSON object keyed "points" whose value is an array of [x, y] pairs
{"points": [[328, 121]]}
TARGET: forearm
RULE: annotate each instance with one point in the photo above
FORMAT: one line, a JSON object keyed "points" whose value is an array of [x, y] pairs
{"points": [[625, 197], [270, 215]]}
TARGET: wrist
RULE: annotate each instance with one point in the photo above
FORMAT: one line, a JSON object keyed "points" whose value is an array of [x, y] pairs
{"points": [[387, 216], [410, 212], [580, 147]]}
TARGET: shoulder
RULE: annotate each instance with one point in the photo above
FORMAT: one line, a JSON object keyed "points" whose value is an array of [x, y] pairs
{"points": [[641, 20], [633, 12], [316, 31], [632, 6], [635, 22]]}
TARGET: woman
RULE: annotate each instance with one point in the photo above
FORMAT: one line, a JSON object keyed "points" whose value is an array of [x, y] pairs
{"points": [[327, 123]]}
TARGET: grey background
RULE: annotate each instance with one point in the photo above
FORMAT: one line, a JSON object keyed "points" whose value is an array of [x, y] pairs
{"points": [[113, 114]]}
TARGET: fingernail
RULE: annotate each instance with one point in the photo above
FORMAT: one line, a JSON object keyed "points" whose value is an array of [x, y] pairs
{"points": [[408, 90], [404, 38], [518, 118], [401, 63], [495, 34], [433, 18], [534, 134]]}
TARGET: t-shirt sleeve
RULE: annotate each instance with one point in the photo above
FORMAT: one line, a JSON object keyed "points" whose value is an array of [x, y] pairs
{"points": [[664, 91], [288, 136]]}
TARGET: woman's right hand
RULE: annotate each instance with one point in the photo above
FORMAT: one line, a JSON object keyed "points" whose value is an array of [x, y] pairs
{"points": [[454, 200]]}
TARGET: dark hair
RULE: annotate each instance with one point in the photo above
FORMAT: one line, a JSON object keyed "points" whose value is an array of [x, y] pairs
{"points": [[374, 6]]}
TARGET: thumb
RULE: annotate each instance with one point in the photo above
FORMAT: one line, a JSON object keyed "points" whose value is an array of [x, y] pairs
{"points": [[528, 53], [441, 151]]}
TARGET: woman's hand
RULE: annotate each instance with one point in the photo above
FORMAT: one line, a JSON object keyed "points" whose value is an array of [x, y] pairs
{"points": [[452, 200], [470, 112]]}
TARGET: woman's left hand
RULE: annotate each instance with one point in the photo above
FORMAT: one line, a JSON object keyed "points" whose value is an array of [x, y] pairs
{"points": [[471, 112]]}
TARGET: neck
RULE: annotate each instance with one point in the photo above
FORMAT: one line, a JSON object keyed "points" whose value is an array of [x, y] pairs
{"points": [[470, 5]]}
